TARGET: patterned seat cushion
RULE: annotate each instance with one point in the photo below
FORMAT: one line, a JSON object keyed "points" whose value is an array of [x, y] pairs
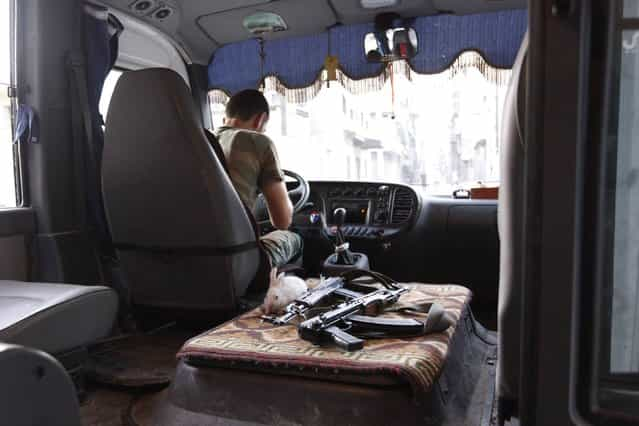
{"points": [[247, 342]]}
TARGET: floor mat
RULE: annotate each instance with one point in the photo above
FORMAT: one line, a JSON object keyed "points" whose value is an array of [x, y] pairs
{"points": [[483, 406], [104, 407], [127, 372], [140, 411], [137, 361]]}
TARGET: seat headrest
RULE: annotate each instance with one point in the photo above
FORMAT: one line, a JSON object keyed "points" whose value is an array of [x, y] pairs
{"points": [[162, 86]]}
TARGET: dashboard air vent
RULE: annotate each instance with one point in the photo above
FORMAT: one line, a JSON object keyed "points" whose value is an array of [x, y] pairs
{"points": [[403, 206]]}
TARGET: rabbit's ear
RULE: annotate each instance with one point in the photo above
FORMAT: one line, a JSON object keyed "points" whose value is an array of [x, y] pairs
{"points": [[280, 276], [273, 274]]}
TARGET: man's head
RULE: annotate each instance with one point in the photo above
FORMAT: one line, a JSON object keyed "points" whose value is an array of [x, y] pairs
{"points": [[247, 109]]}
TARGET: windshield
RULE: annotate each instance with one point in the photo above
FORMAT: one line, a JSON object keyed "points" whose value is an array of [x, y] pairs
{"points": [[438, 131]]}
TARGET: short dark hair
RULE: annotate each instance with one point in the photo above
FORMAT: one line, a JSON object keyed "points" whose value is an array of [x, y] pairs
{"points": [[246, 104]]}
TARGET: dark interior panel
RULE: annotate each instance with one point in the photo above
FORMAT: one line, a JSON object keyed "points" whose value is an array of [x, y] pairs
{"points": [[62, 250], [473, 248], [16, 232], [14, 258], [459, 244], [18, 221], [472, 242]]}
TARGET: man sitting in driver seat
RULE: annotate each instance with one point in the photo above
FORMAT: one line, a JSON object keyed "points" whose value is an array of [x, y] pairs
{"points": [[253, 165]]}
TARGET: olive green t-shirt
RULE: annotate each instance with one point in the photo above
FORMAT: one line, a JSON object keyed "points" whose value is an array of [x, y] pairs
{"points": [[252, 161]]}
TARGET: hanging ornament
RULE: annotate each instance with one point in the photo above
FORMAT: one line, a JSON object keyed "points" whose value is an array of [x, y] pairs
{"points": [[392, 84], [331, 63], [262, 54]]}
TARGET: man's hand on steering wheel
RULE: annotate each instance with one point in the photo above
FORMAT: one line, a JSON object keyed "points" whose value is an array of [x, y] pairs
{"points": [[298, 195]]}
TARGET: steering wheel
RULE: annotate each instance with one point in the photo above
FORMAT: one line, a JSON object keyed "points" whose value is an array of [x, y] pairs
{"points": [[299, 196], [301, 192]]}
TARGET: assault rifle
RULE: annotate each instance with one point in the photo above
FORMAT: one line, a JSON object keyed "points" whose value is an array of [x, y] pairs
{"points": [[307, 301], [344, 326], [331, 326], [336, 286]]}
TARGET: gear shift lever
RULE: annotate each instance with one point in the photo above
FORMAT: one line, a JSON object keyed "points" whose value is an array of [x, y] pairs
{"points": [[343, 259], [339, 217], [344, 255]]}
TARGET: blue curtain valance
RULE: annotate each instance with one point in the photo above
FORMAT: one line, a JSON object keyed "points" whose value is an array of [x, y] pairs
{"points": [[297, 62]]}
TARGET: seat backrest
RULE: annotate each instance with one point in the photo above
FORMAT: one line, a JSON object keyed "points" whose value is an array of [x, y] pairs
{"points": [[511, 217], [182, 235]]}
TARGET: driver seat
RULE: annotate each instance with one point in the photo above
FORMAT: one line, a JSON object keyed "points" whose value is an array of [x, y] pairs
{"points": [[183, 237]]}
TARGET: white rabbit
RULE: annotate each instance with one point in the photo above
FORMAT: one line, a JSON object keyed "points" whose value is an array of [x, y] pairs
{"points": [[282, 290]]}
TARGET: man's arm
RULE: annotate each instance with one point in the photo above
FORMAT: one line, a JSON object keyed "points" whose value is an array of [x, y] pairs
{"points": [[271, 182], [280, 209]]}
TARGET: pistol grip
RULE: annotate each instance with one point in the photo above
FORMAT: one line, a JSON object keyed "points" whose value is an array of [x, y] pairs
{"points": [[344, 340]]}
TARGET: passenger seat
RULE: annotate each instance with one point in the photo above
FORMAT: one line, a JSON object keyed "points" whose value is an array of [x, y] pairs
{"points": [[55, 318], [35, 389]]}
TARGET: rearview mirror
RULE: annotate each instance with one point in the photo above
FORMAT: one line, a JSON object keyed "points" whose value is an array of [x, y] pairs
{"points": [[390, 45]]}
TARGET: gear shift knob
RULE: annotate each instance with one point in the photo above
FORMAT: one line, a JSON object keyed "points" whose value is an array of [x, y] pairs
{"points": [[342, 253], [339, 216]]}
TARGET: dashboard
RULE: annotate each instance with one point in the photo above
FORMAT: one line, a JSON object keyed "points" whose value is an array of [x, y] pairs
{"points": [[408, 235], [373, 210]]}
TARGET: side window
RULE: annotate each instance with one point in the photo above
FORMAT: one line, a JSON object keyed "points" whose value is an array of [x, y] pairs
{"points": [[107, 91], [624, 204], [9, 184], [615, 348], [441, 142]]}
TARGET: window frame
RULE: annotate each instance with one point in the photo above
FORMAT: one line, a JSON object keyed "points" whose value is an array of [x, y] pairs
{"points": [[599, 395], [616, 394], [19, 153]]}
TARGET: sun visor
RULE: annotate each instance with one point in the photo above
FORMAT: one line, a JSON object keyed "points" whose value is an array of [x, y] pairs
{"points": [[298, 62]]}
